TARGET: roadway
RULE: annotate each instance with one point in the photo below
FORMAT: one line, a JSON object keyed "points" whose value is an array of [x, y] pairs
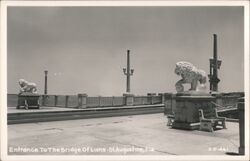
{"points": [[125, 135]]}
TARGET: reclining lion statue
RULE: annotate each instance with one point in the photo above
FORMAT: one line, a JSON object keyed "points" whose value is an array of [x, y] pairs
{"points": [[190, 74], [26, 86]]}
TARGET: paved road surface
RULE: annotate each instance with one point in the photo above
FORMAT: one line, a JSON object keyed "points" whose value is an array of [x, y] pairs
{"points": [[133, 135]]}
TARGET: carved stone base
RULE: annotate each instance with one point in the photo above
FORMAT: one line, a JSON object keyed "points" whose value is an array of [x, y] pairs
{"points": [[186, 111], [28, 100], [186, 125]]}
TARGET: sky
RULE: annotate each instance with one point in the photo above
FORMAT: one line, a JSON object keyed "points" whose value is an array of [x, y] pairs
{"points": [[84, 48]]}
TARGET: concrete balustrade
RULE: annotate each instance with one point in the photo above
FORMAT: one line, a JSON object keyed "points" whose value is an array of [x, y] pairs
{"points": [[44, 99], [99, 100], [129, 99], [82, 100], [66, 100], [113, 98], [162, 97], [56, 100]]}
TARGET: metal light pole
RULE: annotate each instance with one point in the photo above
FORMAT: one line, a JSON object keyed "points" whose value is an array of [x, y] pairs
{"points": [[128, 72], [214, 66], [45, 83]]}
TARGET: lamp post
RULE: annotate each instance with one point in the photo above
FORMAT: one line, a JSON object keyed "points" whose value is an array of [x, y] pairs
{"points": [[45, 83], [128, 72], [214, 66]]}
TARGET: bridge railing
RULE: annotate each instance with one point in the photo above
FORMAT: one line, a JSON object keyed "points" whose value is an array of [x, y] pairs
{"points": [[224, 101], [84, 101]]}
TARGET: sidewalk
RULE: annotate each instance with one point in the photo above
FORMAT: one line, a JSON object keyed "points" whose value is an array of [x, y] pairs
{"points": [[45, 114], [130, 135], [12, 110]]}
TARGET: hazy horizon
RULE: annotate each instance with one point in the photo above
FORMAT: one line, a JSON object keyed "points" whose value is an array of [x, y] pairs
{"points": [[84, 48]]}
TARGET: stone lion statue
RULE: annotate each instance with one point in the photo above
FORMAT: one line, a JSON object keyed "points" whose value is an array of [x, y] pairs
{"points": [[190, 74], [26, 86]]}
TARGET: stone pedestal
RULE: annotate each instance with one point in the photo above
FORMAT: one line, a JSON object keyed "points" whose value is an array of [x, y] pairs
{"points": [[187, 107], [129, 99], [82, 100], [45, 100], [169, 103], [28, 100]]}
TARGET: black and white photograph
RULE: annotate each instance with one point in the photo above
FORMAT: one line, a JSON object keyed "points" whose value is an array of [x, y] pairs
{"points": [[134, 80]]}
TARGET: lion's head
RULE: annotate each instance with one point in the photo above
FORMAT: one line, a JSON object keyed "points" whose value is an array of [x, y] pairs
{"points": [[183, 68], [22, 82]]}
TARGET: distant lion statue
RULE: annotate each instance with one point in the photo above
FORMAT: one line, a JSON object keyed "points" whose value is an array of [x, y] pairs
{"points": [[26, 86], [190, 74]]}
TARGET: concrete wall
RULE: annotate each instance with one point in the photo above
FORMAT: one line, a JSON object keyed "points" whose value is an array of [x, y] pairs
{"points": [[75, 101], [228, 100], [12, 100]]}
